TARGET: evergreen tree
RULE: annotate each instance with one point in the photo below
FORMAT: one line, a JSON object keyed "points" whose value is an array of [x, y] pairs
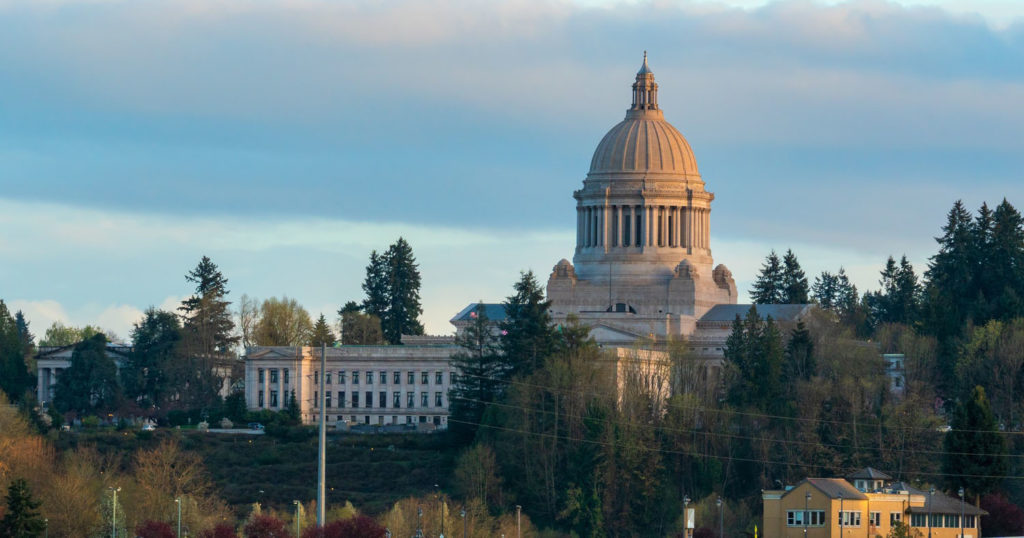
{"points": [[527, 333], [825, 291], [794, 281], [951, 274], [208, 322], [358, 328], [90, 384], [292, 411], [14, 375], [755, 353], [152, 371], [403, 285], [847, 300], [375, 286], [322, 333], [899, 299], [22, 518], [975, 452], [1005, 270], [800, 363], [769, 288], [28, 340], [479, 374]]}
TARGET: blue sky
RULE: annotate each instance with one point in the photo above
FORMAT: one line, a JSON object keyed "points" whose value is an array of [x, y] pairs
{"points": [[288, 139]]}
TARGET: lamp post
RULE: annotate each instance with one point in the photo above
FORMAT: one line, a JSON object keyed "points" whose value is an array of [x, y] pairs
{"points": [[113, 513], [440, 501], [519, 529], [178, 502], [686, 516], [46, 527], [298, 522], [721, 519], [842, 520], [961, 493], [419, 522], [465, 528], [931, 492], [807, 502]]}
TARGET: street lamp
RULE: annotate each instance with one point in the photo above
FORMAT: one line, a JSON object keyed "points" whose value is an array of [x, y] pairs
{"points": [[178, 502], [46, 527], [961, 493], [298, 522], [464, 524], [931, 492], [842, 520], [113, 513], [419, 522], [519, 512], [807, 502], [440, 501], [721, 519], [686, 516]]}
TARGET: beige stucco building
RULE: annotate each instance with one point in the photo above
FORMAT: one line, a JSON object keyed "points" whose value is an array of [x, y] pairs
{"points": [[642, 266], [865, 504]]}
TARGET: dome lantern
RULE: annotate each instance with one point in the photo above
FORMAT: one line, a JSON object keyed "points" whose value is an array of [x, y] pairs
{"points": [[645, 90]]}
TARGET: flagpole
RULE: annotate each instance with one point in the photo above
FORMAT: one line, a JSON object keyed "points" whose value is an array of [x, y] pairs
{"points": [[321, 497]]}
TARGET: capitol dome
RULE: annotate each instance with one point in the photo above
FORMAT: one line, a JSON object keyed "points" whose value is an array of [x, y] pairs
{"points": [[644, 142]]}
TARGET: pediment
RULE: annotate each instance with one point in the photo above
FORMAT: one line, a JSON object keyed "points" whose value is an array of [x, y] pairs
{"points": [[607, 334]]}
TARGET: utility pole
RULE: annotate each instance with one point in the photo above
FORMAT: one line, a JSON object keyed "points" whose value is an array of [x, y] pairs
{"points": [[931, 493], [321, 490], [519, 529], [807, 502], [721, 519], [465, 528], [298, 522], [961, 492], [178, 502], [113, 513]]}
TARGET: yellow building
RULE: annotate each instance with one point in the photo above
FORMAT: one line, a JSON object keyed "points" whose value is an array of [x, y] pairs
{"points": [[866, 504]]}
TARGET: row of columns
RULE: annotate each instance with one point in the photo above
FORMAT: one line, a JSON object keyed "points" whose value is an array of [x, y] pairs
{"points": [[642, 225]]}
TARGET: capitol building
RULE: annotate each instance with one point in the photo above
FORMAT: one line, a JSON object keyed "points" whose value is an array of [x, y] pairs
{"points": [[642, 275]]}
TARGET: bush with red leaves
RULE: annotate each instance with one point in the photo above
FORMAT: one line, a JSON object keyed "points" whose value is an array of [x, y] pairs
{"points": [[704, 532], [265, 527], [220, 531], [154, 529], [354, 527], [1004, 518]]}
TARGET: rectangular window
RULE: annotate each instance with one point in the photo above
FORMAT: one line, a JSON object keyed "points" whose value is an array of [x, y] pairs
{"points": [[410, 399], [316, 377], [369, 378], [849, 518], [396, 400], [273, 398], [355, 378], [451, 378], [383, 378], [424, 378], [815, 518], [936, 520], [439, 378], [875, 519], [918, 520], [261, 375], [412, 378], [437, 399], [316, 399], [424, 399], [382, 401], [398, 378], [261, 394], [369, 399], [408, 419], [327, 397], [969, 522], [355, 402], [894, 518], [341, 398], [285, 376], [952, 521], [273, 375], [327, 378], [341, 377]]}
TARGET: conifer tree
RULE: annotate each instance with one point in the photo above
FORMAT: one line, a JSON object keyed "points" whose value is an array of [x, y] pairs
{"points": [[794, 281], [479, 374], [14, 376], [899, 299], [28, 340], [952, 271], [153, 370], [975, 452], [1005, 270], [208, 322], [22, 518], [90, 384], [375, 286], [322, 333], [403, 308], [825, 290], [527, 333], [769, 286], [800, 363]]}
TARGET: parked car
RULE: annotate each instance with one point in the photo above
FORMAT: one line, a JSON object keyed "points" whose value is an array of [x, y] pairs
{"points": [[255, 426], [148, 427]]}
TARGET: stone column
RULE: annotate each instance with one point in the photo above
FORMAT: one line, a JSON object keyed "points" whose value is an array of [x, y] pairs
{"points": [[664, 226], [601, 225], [650, 226]]}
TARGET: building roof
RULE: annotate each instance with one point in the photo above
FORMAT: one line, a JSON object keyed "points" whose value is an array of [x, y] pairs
{"points": [[941, 503], [493, 311], [869, 473], [778, 312], [834, 488]]}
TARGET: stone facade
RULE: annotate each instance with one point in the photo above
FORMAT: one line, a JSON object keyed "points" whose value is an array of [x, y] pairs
{"points": [[374, 385], [642, 266]]}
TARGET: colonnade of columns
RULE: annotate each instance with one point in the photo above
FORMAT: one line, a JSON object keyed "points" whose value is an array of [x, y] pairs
{"points": [[615, 226]]}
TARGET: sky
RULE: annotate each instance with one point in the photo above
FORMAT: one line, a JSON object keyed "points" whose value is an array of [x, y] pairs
{"points": [[286, 140]]}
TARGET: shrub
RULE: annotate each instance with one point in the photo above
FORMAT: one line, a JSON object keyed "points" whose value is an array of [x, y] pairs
{"points": [[220, 531], [265, 527], [91, 421], [154, 529], [353, 527]]}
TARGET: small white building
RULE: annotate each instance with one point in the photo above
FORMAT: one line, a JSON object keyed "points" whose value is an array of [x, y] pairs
{"points": [[52, 360]]}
